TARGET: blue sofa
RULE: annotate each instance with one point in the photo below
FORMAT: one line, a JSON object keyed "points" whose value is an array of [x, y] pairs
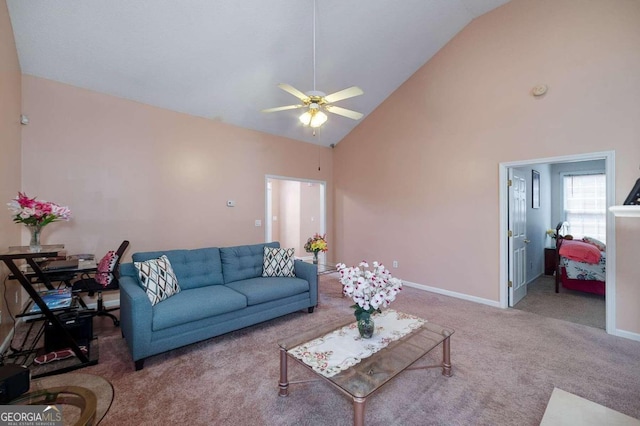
{"points": [[221, 290]]}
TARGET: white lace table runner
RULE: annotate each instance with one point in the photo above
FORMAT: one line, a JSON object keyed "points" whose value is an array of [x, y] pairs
{"points": [[344, 348]]}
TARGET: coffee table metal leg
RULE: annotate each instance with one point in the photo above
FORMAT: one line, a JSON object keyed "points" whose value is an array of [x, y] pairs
{"points": [[358, 411], [284, 381], [446, 357]]}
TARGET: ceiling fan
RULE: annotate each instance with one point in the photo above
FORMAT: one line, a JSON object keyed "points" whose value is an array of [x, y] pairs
{"points": [[315, 101]]}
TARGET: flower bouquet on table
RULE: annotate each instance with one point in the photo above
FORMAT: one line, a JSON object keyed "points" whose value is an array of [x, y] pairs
{"points": [[315, 244], [370, 289], [36, 214]]}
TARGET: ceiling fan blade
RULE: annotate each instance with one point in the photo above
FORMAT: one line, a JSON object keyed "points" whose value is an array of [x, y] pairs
{"points": [[343, 94], [344, 112], [282, 108], [295, 92]]}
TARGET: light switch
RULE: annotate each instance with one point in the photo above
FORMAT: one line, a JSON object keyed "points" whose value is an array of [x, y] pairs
{"points": [[231, 203], [258, 222]]}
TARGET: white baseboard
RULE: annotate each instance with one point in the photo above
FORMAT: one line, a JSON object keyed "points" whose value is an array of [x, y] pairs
{"points": [[620, 333], [494, 303], [627, 334]]}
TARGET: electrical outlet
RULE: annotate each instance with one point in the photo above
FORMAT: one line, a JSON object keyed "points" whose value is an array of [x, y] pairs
{"points": [[395, 263]]}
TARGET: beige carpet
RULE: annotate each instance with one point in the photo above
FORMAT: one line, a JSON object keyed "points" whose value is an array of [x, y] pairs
{"points": [[506, 364], [569, 305]]}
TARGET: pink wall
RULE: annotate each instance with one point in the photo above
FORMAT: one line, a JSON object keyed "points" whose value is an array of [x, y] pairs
{"points": [[290, 214], [158, 178], [10, 107], [417, 181]]}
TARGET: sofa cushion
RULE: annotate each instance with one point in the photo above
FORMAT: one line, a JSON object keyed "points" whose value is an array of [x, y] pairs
{"points": [[194, 268], [195, 304], [278, 262], [243, 262], [260, 290], [157, 278]]}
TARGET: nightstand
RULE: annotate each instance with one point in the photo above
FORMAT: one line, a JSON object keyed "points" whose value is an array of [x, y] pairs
{"points": [[550, 260]]}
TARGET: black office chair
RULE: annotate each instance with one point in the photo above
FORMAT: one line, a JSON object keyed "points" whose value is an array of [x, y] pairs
{"points": [[105, 278]]}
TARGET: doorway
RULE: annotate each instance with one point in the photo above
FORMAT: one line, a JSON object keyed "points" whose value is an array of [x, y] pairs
{"points": [[295, 211], [506, 266]]}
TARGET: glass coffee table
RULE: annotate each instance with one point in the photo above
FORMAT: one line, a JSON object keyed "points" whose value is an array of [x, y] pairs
{"points": [[84, 398], [368, 375]]}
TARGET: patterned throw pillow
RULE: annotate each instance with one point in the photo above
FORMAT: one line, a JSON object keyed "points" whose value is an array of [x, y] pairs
{"points": [[278, 262], [158, 279], [104, 274]]}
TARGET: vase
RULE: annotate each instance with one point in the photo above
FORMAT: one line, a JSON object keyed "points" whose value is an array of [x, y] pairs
{"points": [[366, 327], [315, 257], [34, 243]]}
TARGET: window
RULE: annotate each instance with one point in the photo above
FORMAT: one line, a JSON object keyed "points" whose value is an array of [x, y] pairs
{"points": [[585, 205]]}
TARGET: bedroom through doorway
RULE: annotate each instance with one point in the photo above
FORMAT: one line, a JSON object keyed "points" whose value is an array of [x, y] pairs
{"points": [[550, 185]]}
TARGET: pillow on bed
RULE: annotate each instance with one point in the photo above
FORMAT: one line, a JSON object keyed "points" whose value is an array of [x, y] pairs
{"points": [[580, 251], [601, 246]]}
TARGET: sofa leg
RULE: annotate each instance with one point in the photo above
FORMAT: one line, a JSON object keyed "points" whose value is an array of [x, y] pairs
{"points": [[311, 309], [139, 364]]}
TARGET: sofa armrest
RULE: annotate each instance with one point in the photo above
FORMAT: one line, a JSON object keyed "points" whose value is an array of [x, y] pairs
{"points": [[136, 315], [308, 272]]}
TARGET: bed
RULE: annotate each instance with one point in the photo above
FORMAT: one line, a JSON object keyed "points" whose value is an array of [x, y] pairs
{"points": [[581, 264]]}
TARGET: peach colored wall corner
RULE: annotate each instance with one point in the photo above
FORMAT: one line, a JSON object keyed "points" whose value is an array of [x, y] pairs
{"points": [[10, 108], [158, 178], [417, 181], [289, 213]]}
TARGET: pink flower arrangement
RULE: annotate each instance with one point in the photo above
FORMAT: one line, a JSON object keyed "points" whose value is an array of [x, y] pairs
{"points": [[36, 212], [369, 289]]}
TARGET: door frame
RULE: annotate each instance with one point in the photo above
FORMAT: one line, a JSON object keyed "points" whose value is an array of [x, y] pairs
{"points": [[267, 202], [609, 157]]}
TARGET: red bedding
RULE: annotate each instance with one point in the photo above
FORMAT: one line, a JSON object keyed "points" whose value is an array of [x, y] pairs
{"points": [[588, 286]]}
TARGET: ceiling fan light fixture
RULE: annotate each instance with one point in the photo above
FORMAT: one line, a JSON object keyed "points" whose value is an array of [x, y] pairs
{"points": [[313, 117], [315, 100], [305, 118], [318, 119]]}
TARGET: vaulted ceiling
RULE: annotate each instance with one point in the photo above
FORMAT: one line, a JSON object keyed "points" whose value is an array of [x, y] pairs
{"points": [[222, 59]]}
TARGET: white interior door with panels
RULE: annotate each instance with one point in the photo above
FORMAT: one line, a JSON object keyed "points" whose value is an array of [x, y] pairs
{"points": [[517, 236]]}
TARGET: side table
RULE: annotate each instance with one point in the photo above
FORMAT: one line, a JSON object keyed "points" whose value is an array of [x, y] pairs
{"points": [[550, 260]]}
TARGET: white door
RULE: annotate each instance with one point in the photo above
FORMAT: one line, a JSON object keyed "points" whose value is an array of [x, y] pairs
{"points": [[517, 236]]}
